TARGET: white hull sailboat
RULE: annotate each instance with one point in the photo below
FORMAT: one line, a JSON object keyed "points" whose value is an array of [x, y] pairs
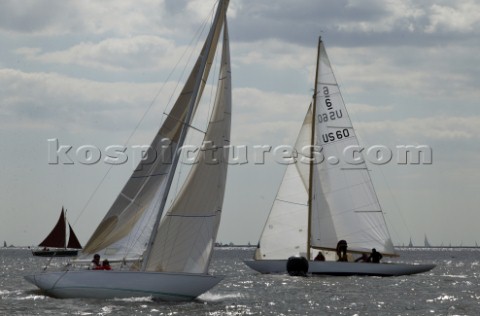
{"points": [[342, 268], [323, 199], [161, 249], [122, 284]]}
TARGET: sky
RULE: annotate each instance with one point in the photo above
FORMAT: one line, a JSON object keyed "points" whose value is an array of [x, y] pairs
{"points": [[86, 72]]}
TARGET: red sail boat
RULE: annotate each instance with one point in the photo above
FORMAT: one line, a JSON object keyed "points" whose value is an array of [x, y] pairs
{"points": [[55, 245]]}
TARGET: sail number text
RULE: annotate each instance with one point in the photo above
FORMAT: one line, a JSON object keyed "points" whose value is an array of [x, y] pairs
{"points": [[331, 114]]}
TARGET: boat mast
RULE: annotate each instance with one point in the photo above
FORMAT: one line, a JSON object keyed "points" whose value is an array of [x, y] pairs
{"points": [[183, 133], [312, 151]]}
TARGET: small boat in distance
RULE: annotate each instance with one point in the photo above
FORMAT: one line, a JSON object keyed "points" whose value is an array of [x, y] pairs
{"points": [[426, 243], [322, 200], [55, 244]]}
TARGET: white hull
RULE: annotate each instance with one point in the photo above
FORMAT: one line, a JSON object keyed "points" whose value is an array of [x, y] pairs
{"points": [[342, 268], [120, 284]]}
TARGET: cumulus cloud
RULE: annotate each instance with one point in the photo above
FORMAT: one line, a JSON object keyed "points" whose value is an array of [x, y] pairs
{"points": [[113, 54], [437, 128], [49, 100]]}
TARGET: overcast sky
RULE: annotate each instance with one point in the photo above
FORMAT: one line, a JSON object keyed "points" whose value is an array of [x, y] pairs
{"points": [[85, 72]]}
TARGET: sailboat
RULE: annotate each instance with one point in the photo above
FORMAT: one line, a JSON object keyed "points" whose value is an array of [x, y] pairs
{"points": [[426, 243], [159, 249], [320, 203], [55, 244], [410, 244]]}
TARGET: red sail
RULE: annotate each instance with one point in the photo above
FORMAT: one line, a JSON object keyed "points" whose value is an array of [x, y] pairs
{"points": [[56, 238], [73, 242]]}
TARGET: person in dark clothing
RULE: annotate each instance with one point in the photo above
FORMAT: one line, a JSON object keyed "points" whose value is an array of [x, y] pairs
{"points": [[375, 256], [95, 265], [319, 257], [342, 250]]}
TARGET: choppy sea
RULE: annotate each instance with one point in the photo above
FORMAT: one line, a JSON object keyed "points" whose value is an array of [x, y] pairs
{"points": [[452, 288]]}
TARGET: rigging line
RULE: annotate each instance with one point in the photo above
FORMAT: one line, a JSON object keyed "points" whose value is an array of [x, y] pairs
{"points": [[197, 35], [149, 175], [139, 232], [290, 202], [183, 123], [210, 17], [192, 216]]}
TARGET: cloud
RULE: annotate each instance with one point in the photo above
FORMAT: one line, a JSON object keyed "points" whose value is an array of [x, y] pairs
{"points": [[57, 17], [267, 117], [354, 108], [460, 16], [143, 53], [437, 128], [50, 100]]}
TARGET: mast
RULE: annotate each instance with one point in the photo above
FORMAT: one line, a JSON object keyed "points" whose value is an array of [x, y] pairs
{"points": [[312, 144], [184, 130]]}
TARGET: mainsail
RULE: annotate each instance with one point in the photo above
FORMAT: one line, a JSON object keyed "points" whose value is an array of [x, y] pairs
{"points": [[344, 202], [131, 229], [58, 238]]}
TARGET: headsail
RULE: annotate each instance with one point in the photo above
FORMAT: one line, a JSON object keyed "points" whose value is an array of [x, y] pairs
{"points": [[285, 232], [345, 205], [73, 242], [185, 238]]}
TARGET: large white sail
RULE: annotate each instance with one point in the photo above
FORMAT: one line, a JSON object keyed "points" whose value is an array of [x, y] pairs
{"points": [[286, 230], [185, 237], [126, 228], [344, 202]]}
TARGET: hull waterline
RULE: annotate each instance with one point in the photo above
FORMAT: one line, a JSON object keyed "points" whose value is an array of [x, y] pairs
{"points": [[53, 253], [122, 284], [342, 268]]}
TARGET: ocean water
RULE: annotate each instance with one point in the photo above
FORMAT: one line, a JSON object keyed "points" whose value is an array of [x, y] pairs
{"points": [[452, 288]]}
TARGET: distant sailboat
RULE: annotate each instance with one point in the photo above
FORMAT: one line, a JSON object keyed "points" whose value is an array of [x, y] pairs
{"points": [[161, 250], [426, 243], [319, 204], [410, 244], [4, 244], [57, 244]]}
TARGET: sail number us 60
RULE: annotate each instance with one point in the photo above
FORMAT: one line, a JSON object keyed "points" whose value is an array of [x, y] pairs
{"points": [[333, 136]]}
